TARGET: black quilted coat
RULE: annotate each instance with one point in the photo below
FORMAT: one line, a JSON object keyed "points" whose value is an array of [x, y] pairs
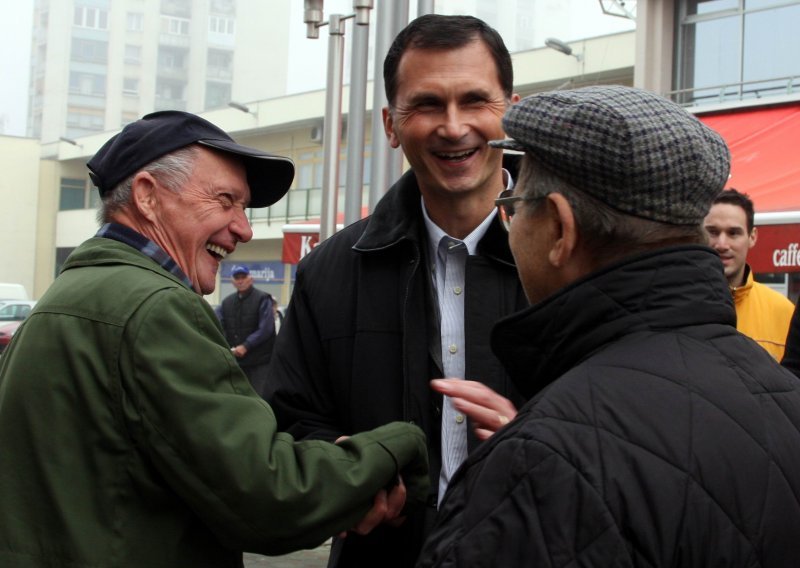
{"points": [[657, 436]]}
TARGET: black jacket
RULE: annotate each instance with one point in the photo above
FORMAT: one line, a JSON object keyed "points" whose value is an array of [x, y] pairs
{"points": [[791, 358], [361, 341], [241, 316], [658, 435]]}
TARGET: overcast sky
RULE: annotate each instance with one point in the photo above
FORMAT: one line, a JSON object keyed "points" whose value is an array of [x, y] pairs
{"points": [[15, 46]]}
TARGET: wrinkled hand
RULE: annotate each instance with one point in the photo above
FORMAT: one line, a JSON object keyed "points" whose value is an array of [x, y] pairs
{"points": [[488, 410], [386, 507]]}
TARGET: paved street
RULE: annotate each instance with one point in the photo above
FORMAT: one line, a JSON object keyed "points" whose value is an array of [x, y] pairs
{"points": [[317, 558]]}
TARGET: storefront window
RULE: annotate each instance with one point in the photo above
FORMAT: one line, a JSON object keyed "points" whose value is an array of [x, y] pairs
{"points": [[737, 50]]}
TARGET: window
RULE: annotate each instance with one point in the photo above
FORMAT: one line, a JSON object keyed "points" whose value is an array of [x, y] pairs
{"points": [[217, 94], [174, 26], [134, 22], [88, 50], [221, 25], [90, 17], [181, 8], [170, 90], [223, 6], [220, 64], [79, 121], [133, 54], [130, 86], [87, 84], [72, 194], [736, 49], [14, 312], [220, 58], [171, 58]]}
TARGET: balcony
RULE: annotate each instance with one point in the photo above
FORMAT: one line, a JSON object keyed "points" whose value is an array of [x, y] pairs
{"points": [[745, 91], [300, 205]]}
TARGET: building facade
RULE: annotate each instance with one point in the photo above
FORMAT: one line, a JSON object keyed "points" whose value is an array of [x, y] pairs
{"points": [[121, 59], [675, 44]]}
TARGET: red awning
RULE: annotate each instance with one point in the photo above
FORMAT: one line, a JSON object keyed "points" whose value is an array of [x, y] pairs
{"points": [[765, 151], [765, 164]]}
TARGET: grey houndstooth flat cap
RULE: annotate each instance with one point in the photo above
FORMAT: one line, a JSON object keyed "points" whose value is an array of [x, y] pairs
{"points": [[633, 150]]}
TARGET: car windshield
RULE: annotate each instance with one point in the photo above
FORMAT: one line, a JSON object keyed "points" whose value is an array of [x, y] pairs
{"points": [[15, 311]]}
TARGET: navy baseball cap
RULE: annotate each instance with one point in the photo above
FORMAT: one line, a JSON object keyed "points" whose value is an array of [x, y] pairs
{"points": [[159, 133], [240, 270]]}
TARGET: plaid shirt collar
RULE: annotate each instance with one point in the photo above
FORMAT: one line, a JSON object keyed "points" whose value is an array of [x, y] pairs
{"points": [[144, 245]]}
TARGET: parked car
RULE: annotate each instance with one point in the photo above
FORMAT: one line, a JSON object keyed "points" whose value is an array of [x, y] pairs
{"points": [[7, 331], [15, 310]]}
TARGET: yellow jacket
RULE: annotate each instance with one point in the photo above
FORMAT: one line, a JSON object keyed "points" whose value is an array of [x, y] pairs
{"points": [[763, 315]]}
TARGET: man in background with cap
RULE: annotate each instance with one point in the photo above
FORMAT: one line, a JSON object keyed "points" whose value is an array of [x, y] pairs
{"points": [[248, 320], [762, 314], [656, 434], [130, 436]]}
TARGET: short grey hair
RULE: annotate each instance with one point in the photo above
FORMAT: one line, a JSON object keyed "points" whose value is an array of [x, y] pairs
{"points": [[607, 234], [172, 170]]}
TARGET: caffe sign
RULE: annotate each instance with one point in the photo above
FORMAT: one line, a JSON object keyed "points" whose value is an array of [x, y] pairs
{"points": [[777, 249]]}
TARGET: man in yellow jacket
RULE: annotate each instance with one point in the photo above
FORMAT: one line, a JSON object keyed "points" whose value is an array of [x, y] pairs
{"points": [[761, 313]]}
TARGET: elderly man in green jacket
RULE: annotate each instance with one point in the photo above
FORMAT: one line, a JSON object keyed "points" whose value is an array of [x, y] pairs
{"points": [[129, 434]]}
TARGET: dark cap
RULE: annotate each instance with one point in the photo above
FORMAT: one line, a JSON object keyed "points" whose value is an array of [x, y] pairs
{"points": [[631, 149], [240, 269], [160, 133]]}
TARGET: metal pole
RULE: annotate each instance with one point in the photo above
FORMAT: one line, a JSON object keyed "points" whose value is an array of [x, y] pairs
{"points": [[354, 185], [378, 181], [424, 7], [394, 168], [332, 127]]}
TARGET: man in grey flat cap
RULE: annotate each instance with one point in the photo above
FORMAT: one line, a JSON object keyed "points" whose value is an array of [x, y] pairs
{"points": [[655, 434]]}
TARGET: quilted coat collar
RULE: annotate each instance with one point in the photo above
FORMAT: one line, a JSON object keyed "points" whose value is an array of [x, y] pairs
{"points": [[658, 290]]}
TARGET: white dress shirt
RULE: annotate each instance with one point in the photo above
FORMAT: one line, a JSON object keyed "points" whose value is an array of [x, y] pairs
{"points": [[449, 259]]}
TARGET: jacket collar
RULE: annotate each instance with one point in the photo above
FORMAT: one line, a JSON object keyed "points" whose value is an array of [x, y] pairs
{"points": [[655, 291], [398, 217], [741, 292]]}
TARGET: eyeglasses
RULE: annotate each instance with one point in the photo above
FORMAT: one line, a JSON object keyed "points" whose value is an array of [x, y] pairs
{"points": [[506, 208]]}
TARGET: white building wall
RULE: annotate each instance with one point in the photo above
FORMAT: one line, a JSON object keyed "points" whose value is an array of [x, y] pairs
{"points": [[19, 193]]}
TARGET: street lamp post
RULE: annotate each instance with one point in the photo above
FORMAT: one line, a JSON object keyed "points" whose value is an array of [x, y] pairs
{"points": [[332, 125], [354, 184]]}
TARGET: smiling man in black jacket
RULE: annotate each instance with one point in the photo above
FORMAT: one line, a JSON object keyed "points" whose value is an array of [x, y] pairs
{"points": [[657, 434], [410, 294]]}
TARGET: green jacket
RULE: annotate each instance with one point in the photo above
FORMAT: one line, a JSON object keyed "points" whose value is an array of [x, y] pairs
{"points": [[129, 436]]}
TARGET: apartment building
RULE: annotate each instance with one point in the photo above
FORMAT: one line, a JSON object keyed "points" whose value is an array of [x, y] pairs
{"points": [[120, 59]]}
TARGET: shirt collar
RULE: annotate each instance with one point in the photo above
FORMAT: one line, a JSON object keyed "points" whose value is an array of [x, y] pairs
{"points": [[132, 238], [436, 234]]}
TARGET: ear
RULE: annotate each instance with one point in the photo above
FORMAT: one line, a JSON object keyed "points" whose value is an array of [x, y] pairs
{"points": [[144, 196], [565, 233], [753, 237], [515, 98], [388, 127]]}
